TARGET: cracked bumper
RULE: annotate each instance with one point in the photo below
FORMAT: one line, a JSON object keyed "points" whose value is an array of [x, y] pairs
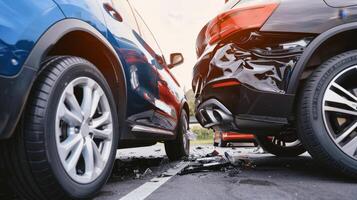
{"points": [[263, 73]]}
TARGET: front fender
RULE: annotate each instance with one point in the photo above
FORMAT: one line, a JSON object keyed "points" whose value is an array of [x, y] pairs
{"points": [[22, 23]]}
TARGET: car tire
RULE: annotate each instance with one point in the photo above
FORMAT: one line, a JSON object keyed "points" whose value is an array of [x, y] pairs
{"points": [[279, 147], [32, 157], [180, 147], [320, 123]]}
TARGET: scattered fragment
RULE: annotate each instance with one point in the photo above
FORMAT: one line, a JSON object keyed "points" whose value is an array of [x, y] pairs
{"points": [[234, 160], [247, 163], [238, 160], [215, 166], [209, 159], [147, 172], [259, 150], [214, 153]]}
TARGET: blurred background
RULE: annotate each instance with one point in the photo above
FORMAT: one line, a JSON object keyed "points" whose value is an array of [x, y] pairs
{"points": [[176, 24]]}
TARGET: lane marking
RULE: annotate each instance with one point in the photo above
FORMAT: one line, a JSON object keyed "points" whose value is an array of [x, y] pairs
{"points": [[148, 188]]}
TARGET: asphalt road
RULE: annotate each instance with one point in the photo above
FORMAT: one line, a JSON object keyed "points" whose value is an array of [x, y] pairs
{"points": [[267, 177], [270, 178]]}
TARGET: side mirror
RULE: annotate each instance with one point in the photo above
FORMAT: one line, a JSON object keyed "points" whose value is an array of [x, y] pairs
{"points": [[175, 59]]}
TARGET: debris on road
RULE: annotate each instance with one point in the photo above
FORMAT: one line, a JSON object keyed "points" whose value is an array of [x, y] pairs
{"points": [[231, 162], [136, 168], [147, 172], [214, 153], [259, 150]]}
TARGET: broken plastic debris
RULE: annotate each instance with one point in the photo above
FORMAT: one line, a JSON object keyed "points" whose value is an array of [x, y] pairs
{"points": [[234, 160], [147, 172], [259, 150], [214, 153]]}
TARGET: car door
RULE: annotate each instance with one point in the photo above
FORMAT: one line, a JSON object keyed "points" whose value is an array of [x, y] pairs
{"points": [[137, 60], [168, 102]]}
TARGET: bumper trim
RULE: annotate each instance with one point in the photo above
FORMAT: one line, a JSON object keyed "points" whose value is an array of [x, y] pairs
{"points": [[243, 109]]}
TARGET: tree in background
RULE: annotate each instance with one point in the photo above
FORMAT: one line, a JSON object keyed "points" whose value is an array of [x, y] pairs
{"points": [[191, 101]]}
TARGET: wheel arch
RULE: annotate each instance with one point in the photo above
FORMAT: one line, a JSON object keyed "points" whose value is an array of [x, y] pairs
{"points": [[324, 46], [77, 38]]}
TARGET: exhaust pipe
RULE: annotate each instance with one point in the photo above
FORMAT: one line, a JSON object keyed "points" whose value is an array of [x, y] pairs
{"points": [[222, 116], [214, 112]]}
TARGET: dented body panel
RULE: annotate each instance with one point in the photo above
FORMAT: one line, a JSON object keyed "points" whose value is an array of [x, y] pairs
{"points": [[263, 62], [252, 68], [263, 67]]}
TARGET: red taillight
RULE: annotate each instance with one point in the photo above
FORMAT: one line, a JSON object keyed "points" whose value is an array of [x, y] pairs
{"points": [[226, 84], [238, 19]]}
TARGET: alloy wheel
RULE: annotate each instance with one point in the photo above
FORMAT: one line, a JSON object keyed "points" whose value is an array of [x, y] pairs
{"points": [[340, 111], [84, 130]]}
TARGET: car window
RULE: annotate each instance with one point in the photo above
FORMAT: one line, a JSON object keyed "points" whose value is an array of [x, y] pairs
{"points": [[124, 8], [147, 35]]}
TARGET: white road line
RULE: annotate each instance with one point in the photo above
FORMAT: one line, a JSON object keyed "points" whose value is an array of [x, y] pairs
{"points": [[148, 188]]}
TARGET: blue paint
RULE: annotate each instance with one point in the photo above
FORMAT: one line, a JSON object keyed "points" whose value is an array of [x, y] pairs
{"points": [[22, 22], [154, 97]]}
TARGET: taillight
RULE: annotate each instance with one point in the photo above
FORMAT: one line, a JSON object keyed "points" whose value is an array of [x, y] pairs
{"points": [[228, 83], [242, 18]]}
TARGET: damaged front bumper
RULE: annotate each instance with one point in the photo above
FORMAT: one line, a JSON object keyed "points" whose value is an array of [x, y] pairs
{"points": [[241, 85]]}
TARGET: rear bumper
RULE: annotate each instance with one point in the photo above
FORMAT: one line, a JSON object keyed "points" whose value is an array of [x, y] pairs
{"points": [[243, 109], [13, 95], [261, 64]]}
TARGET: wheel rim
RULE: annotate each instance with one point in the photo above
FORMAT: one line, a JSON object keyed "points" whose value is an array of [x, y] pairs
{"points": [[186, 143], [84, 130], [340, 111]]}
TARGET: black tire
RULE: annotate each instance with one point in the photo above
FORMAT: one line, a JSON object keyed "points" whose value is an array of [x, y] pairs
{"points": [[282, 151], [31, 157], [176, 149], [311, 126], [5, 191]]}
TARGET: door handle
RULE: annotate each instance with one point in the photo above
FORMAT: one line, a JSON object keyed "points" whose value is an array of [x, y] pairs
{"points": [[112, 12], [164, 83]]}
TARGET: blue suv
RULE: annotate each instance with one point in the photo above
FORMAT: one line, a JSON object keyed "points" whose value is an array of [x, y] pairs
{"points": [[78, 80]]}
